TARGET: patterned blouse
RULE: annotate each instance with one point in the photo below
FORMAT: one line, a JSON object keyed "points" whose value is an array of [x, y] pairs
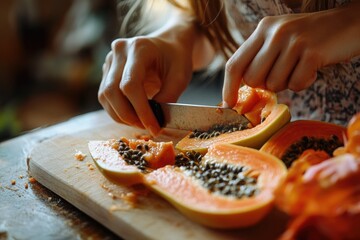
{"points": [[334, 96]]}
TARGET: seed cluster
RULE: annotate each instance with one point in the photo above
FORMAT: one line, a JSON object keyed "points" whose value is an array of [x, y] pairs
{"points": [[217, 129], [220, 178], [318, 144], [134, 156]]}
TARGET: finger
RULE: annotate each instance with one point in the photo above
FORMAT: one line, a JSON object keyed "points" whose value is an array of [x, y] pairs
{"points": [[108, 108], [114, 96], [259, 68], [132, 85], [105, 69], [304, 74], [236, 66], [279, 76]]}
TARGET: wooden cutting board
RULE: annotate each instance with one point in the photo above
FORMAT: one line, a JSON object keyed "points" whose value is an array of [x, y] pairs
{"points": [[147, 216]]}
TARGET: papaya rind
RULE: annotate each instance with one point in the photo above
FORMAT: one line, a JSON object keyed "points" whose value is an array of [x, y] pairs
{"points": [[225, 218], [220, 220], [254, 137], [101, 153]]}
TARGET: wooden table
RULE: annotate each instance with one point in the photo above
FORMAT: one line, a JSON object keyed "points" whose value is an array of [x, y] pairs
{"points": [[34, 212]]}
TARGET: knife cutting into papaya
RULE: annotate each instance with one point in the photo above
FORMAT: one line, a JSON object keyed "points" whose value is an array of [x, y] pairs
{"points": [[194, 117]]}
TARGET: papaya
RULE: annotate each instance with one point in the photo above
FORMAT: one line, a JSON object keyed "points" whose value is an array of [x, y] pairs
{"points": [[255, 103], [297, 136], [330, 209], [265, 117], [123, 161], [229, 187]]}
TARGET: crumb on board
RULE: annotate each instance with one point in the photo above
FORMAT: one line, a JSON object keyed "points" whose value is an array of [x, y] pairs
{"points": [[13, 182], [26, 185], [90, 166], [32, 180], [79, 155]]}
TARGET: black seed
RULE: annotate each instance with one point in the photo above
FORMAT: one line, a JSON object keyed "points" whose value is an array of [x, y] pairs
{"points": [[321, 144]]}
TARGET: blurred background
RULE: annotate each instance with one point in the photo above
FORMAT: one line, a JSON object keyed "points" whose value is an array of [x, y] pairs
{"points": [[51, 54]]}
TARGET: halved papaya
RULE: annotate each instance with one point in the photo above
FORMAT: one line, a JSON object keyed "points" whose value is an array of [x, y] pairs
{"points": [[222, 207], [251, 137], [265, 116], [330, 209], [124, 161], [297, 136], [231, 186]]}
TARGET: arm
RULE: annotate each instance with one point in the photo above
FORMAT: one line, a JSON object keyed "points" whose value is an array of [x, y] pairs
{"points": [[157, 66], [285, 52]]}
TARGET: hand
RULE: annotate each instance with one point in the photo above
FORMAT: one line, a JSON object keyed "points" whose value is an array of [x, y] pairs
{"points": [[285, 52], [141, 68]]}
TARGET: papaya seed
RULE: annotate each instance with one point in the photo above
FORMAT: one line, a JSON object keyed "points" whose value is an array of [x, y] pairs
{"points": [[217, 130], [224, 179]]}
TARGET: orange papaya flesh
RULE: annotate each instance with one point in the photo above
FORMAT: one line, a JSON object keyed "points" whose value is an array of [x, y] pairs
{"points": [[247, 98], [124, 161], [353, 136], [331, 207], [253, 137], [255, 103], [297, 136], [191, 192]]}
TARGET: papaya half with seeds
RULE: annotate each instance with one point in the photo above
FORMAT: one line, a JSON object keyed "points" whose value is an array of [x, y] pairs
{"points": [[123, 161], [265, 116], [231, 186], [297, 136], [214, 206], [253, 137]]}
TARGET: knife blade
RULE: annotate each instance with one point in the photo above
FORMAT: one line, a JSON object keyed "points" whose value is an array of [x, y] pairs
{"points": [[194, 117]]}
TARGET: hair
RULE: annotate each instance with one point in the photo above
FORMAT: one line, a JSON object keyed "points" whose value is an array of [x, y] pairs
{"points": [[209, 15]]}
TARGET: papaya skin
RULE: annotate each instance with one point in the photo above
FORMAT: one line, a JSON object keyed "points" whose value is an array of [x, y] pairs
{"points": [[294, 131], [253, 137], [214, 210]]}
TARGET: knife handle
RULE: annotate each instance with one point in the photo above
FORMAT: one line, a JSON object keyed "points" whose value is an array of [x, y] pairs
{"points": [[158, 112]]}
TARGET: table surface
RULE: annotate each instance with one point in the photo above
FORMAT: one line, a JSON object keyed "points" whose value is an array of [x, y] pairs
{"points": [[35, 212]]}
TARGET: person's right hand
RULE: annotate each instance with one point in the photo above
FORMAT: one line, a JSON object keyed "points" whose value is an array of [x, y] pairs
{"points": [[141, 68]]}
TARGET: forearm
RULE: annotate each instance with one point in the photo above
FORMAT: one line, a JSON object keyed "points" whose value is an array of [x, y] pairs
{"points": [[182, 32], [346, 25]]}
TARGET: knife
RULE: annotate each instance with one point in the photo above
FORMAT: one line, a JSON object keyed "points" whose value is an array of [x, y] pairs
{"points": [[194, 117]]}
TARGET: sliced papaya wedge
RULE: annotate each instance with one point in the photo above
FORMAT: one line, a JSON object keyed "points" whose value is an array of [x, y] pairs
{"points": [[124, 161], [211, 207], [253, 137], [297, 136], [231, 186]]}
